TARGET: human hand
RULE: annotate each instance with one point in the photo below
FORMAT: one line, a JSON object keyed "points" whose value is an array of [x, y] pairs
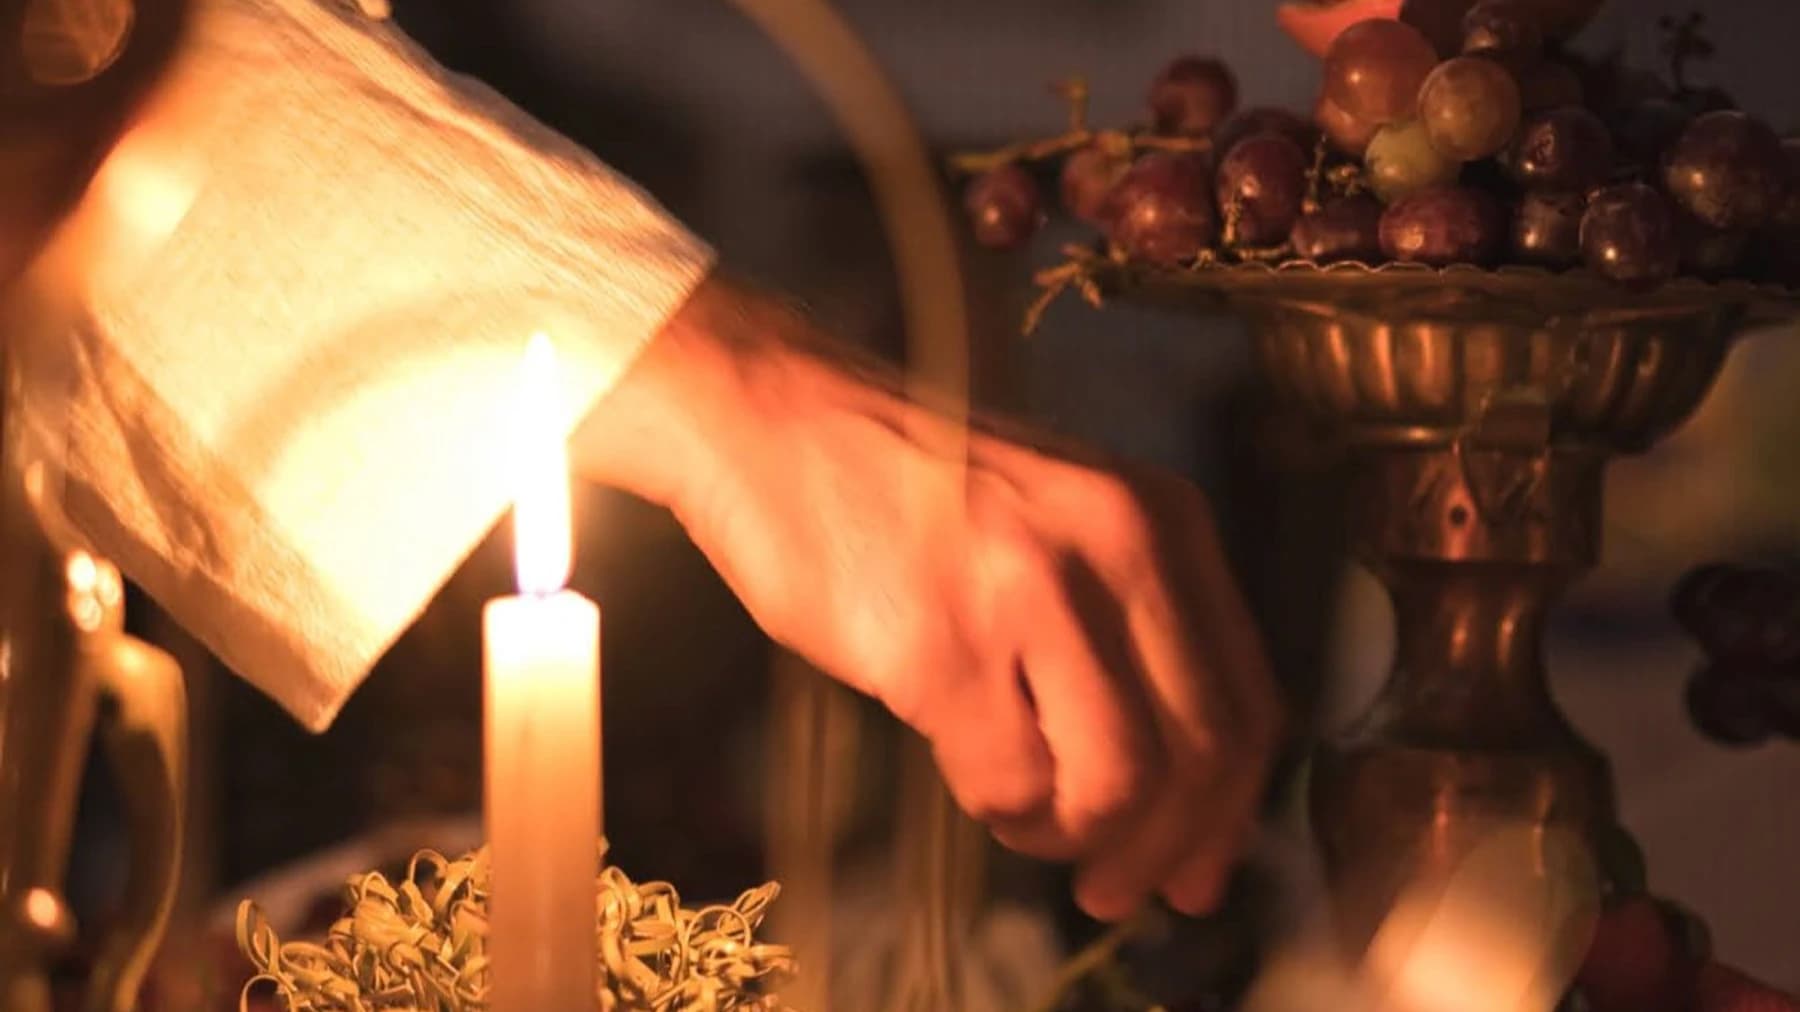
{"points": [[1065, 633]]}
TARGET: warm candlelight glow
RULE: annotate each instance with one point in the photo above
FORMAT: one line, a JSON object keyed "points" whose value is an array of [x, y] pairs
{"points": [[542, 668], [541, 519]]}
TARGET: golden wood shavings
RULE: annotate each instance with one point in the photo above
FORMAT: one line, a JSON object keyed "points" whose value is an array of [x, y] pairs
{"points": [[420, 946]]}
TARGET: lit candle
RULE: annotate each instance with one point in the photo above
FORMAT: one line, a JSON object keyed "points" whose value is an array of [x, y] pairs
{"points": [[542, 653]]}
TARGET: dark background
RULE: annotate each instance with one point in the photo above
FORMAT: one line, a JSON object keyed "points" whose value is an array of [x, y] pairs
{"points": [[686, 97]]}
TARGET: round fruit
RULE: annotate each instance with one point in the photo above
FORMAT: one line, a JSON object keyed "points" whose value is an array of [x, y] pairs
{"points": [[1728, 709], [1440, 21], [1263, 119], [1374, 68], [1509, 27], [1724, 989], [1727, 170], [1160, 210], [1628, 234], [1347, 133], [1342, 228], [1470, 107], [1621, 862], [1789, 214], [1260, 187], [1003, 206], [1088, 175], [1547, 228], [1704, 100], [1741, 615], [1567, 149], [1443, 225], [1635, 963], [1563, 18], [1709, 252], [1192, 95], [1547, 84], [1401, 159], [1647, 129]]}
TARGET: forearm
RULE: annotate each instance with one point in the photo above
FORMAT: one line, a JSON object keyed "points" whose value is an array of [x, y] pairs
{"points": [[294, 303], [718, 392]]}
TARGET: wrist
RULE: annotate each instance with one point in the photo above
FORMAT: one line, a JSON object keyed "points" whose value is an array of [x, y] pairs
{"points": [[702, 396]]}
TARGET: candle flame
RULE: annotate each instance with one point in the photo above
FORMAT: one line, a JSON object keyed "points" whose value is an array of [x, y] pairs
{"points": [[541, 516]]}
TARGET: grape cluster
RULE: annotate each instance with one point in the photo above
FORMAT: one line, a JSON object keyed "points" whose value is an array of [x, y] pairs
{"points": [[1747, 622], [1454, 133]]}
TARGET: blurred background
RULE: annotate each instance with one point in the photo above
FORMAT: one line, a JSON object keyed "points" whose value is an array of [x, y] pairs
{"points": [[686, 97]]}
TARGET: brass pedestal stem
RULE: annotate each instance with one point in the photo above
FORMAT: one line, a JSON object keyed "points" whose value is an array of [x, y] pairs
{"points": [[1474, 546]]}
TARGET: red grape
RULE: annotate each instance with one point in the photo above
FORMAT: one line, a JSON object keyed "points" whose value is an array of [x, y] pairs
{"points": [[1547, 228], [1088, 175], [1708, 252], [1440, 21], [1509, 27], [1628, 234], [1783, 702], [1260, 186], [1160, 210], [1610, 86], [1342, 228], [1728, 709], [1727, 170], [1565, 149], [1347, 133], [1704, 100], [1546, 84], [1470, 107], [1778, 246], [1563, 18], [1443, 225], [1004, 206], [1401, 159], [1192, 95], [1789, 215], [1635, 961], [1263, 119], [1373, 70], [1747, 616], [1648, 128]]}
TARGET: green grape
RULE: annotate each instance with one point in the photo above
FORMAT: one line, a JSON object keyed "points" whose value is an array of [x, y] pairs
{"points": [[1401, 160]]}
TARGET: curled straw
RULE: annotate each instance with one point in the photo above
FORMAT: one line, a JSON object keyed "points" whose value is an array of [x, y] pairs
{"points": [[420, 946]]}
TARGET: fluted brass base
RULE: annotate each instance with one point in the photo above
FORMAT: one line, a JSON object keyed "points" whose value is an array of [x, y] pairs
{"points": [[1480, 408]]}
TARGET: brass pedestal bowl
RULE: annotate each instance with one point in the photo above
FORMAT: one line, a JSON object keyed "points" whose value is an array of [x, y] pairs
{"points": [[1479, 408]]}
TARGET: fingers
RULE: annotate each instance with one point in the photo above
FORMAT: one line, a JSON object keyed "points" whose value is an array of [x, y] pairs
{"points": [[1189, 803], [1094, 719], [1208, 681], [1198, 880], [985, 738]]}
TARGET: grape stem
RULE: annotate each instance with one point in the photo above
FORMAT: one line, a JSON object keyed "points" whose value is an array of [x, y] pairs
{"points": [[1077, 271], [977, 162], [1074, 91]]}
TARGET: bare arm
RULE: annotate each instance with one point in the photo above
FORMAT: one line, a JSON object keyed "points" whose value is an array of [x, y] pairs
{"points": [[1063, 630]]}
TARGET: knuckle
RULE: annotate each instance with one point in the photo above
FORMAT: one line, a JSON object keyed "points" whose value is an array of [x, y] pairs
{"points": [[1006, 797], [1117, 515], [1114, 791], [1196, 759]]}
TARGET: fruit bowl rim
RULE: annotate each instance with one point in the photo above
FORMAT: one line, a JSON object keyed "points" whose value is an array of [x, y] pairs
{"points": [[1534, 290]]}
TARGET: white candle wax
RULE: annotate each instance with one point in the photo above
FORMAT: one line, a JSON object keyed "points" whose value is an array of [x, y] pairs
{"points": [[543, 798], [541, 654]]}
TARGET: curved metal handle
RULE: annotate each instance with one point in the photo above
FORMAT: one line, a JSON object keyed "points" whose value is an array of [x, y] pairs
{"points": [[143, 728]]}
